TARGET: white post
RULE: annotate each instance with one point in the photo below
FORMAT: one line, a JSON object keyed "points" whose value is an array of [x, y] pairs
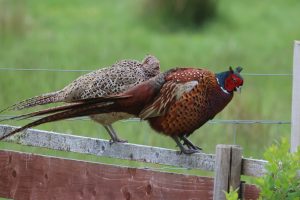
{"points": [[295, 129]]}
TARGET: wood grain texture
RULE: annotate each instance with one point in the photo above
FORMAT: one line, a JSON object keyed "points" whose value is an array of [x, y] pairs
{"points": [[27, 176], [236, 166], [227, 169], [253, 167], [222, 171], [98, 147], [250, 192]]}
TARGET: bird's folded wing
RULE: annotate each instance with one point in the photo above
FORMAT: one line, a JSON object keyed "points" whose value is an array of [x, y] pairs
{"points": [[170, 92]]}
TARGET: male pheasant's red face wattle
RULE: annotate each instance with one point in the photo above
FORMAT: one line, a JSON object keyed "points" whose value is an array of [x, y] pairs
{"points": [[233, 82]]}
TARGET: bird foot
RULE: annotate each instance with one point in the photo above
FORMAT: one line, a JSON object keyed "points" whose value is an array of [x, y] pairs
{"points": [[112, 141], [189, 144], [192, 146]]}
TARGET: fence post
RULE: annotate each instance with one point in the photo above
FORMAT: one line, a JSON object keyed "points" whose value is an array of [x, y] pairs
{"points": [[227, 169], [295, 129]]}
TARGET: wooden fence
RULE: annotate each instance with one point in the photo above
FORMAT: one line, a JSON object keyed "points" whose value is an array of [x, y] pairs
{"points": [[30, 176]]}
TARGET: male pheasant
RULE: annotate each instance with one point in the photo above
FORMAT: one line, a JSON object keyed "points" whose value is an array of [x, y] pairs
{"points": [[175, 103], [118, 78]]}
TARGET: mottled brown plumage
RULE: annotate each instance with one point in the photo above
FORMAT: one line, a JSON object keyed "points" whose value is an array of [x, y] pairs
{"points": [[175, 103], [196, 99], [115, 79]]}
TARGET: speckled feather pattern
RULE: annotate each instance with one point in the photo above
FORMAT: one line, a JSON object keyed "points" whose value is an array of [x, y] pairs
{"points": [[103, 82], [194, 107], [112, 80], [108, 81]]}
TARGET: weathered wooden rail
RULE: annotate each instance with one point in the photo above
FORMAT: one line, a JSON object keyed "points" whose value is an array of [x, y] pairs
{"points": [[21, 173]]}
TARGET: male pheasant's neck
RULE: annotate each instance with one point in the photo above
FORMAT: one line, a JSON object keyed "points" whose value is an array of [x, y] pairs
{"points": [[221, 80]]}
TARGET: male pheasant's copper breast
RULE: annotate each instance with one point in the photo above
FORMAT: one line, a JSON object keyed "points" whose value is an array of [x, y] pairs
{"points": [[188, 113], [194, 108]]}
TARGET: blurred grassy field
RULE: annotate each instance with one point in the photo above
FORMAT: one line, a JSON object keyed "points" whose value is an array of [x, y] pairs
{"points": [[257, 35]]}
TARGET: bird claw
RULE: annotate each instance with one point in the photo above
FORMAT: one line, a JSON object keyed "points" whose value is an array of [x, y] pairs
{"points": [[191, 148], [190, 145], [112, 141]]}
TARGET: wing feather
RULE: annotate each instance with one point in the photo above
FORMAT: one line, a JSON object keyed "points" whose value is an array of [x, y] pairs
{"points": [[170, 92]]}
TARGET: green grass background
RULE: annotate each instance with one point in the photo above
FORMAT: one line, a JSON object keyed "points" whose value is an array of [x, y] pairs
{"points": [[258, 35]]}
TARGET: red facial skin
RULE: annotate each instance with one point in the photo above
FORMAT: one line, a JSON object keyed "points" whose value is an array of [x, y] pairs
{"points": [[232, 82]]}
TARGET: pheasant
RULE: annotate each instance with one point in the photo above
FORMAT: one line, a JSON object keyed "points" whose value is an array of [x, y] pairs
{"points": [[175, 103], [119, 77]]}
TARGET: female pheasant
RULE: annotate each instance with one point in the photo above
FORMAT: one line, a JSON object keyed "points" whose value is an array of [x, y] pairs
{"points": [[106, 81], [175, 103]]}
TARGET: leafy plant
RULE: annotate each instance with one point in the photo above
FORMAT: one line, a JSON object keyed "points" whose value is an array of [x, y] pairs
{"points": [[232, 194], [280, 181]]}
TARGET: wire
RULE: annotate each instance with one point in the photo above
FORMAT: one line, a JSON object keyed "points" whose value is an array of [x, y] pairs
{"points": [[89, 70], [249, 122], [257, 74], [136, 119], [47, 70], [215, 121]]}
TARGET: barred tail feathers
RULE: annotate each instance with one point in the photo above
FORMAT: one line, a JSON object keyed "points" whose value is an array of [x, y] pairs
{"points": [[85, 108], [52, 97], [67, 114]]}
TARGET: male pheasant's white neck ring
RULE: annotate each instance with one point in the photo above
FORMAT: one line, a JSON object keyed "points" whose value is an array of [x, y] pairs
{"points": [[224, 90]]}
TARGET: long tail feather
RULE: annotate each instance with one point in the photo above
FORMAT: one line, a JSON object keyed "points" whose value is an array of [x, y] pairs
{"points": [[34, 101], [65, 107], [84, 108], [42, 112], [67, 114]]}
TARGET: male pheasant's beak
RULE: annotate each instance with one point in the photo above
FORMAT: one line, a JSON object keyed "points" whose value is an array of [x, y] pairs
{"points": [[239, 89]]}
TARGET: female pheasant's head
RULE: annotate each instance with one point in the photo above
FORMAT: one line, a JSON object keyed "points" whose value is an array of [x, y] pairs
{"points": [[151, 66], [231, 80]]}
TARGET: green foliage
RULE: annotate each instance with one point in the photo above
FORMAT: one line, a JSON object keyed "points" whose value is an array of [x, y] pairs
{"points": [[232, 194], [281, 181], [182, 12]]}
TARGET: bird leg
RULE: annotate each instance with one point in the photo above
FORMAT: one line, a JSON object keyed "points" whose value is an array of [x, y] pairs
{"points": [[182, 148], [113, 135], [189, 144]]}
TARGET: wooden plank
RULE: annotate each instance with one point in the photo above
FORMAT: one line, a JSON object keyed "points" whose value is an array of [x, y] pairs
{"points": [[27, 176], [227, 169], [222, 170], [295, 129], [100, 147], [253, 167], [78, 144], [250, 192], [235, 166]]}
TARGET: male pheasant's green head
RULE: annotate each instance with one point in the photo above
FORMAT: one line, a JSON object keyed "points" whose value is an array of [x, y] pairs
{"points": [[230, 80]]}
